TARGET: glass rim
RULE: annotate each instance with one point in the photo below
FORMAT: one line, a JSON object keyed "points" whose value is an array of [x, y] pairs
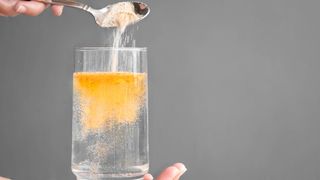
{"points": [[102, 48]]}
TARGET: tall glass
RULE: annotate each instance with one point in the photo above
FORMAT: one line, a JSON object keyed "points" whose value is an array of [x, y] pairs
{"points": [[110, 113]]}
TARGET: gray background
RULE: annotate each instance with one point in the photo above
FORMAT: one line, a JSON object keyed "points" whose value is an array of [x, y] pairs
{"points": [[234, 89]]}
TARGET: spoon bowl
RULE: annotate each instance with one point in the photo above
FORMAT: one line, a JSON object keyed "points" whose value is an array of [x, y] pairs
{"points": [[111, 15]]}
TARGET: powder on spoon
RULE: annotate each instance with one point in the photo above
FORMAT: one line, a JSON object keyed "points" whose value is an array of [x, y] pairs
{"points": [[120, 15]]}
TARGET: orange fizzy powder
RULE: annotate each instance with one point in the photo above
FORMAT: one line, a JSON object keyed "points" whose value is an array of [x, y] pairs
{"points": [[106, 97]]}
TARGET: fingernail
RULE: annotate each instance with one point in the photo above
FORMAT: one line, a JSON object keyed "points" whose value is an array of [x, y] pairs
{"points": [[60, 12], [57, 12], [148, 176], [182, 168], [21, 9]]}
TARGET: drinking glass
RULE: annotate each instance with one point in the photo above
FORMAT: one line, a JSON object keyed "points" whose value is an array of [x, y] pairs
{"points": [[110, 113]]}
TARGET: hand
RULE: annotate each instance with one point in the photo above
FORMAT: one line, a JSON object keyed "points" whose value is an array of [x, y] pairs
{"points": [[30, 8], [173, 172], [2, 178]]}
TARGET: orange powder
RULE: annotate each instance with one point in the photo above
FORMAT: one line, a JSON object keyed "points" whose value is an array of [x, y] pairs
{"points": [[109, 97]]}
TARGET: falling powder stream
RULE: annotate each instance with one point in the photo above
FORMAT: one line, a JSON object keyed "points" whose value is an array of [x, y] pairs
{"points": [[123, 14]]}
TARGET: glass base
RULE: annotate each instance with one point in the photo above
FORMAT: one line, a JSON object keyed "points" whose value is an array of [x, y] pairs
{"points": [[135, 174], [87, 176]]}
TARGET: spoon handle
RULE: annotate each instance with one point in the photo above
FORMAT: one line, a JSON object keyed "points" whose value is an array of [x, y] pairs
{"points": [[70, 3]]}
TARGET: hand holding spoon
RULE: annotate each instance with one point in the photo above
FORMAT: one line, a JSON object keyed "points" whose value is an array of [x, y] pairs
{"points": [[105, 17]]}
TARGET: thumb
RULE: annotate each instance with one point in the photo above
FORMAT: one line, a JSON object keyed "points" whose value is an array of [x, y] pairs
{"points": [[173, 172]]}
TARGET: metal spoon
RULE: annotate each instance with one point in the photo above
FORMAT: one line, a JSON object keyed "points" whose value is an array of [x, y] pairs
{"points": [[141, 10]]}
